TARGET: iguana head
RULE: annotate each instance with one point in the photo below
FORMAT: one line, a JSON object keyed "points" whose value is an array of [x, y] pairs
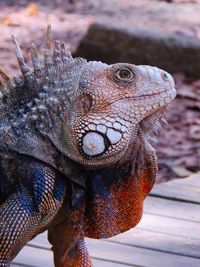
{"points": [[91, 112], [112, 101]]}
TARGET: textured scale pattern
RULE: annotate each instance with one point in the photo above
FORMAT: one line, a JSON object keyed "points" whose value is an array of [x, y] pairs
{"points": [[76, 150], [23, 212], [117, 203]]}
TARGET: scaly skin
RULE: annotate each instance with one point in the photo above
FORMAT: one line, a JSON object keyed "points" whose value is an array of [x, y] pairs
{"points": [[36, 200], [76, 150]]}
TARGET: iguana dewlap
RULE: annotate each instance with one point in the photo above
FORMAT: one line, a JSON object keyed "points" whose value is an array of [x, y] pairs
{"points": [[76, 150]]}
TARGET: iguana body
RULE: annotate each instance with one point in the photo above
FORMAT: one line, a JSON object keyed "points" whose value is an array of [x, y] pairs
{"points": [[76, 150]]}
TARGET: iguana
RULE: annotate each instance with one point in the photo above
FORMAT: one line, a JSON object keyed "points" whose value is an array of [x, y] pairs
{"points": [[76, 150]]}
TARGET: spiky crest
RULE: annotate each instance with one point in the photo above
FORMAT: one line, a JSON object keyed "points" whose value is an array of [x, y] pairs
{"points": [[52, 60], [47, 48], [35, 58], [24, 68], [28, 103], [5, 82]]}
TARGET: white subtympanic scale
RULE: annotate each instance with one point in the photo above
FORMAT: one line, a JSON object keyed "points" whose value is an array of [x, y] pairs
{"points": [[93, 144]]}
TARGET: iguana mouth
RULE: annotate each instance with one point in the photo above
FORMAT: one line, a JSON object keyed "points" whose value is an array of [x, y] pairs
{"points": [[159, 93], [169, 94]]}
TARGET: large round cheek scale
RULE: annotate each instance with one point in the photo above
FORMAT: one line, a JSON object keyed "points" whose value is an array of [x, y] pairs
{"points": [[93, 144]]}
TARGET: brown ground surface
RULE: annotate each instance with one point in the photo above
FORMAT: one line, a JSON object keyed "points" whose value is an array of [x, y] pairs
{"points": [[179, 144]]}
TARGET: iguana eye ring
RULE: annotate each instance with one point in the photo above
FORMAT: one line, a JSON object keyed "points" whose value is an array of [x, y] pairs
{"points": [[124, 74]]}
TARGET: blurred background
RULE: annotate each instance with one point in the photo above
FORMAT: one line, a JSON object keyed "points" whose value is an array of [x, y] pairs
{"points": [[161, 33]]}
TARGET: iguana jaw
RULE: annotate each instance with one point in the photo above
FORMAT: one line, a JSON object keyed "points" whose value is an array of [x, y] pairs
{"points": [[145, 128]]}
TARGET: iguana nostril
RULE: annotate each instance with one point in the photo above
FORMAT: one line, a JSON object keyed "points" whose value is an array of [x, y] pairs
{"points": [[93, 144], [165, 76]]}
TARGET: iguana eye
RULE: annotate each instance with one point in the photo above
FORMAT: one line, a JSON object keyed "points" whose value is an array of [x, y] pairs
{"points": [[124, 74]]}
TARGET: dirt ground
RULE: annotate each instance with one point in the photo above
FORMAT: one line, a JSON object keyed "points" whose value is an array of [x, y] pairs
{"points": [[179, 143]]}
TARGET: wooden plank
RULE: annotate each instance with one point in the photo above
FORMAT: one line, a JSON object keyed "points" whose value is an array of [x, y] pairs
{"points": [[35, 257], [148, 240], [161, 242], [17, 264], [40, 241], [96, 263], [156, 240], [171, 226], [177, 192], [171, 208], [138, 256], [192, 180], [103, 263]]}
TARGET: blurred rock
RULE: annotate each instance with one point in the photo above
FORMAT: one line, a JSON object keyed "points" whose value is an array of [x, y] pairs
{"points": [[146, 32]]}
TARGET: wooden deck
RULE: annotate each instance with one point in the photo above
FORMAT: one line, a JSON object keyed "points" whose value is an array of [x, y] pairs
{"points": [[167, 236]]}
